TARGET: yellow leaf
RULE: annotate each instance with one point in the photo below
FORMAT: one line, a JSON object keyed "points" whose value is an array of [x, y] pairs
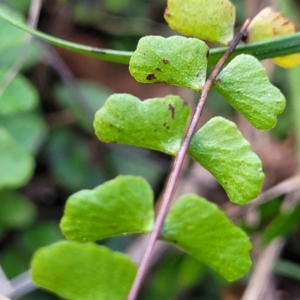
{"points": [[288, 61], [270, 23], [204, 19]]}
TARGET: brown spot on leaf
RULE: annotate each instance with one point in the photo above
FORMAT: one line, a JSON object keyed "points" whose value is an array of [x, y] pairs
{"points": [[150, 76], [166, 126], [286, 22], [167, 13], [158, 69], [165, 61], [172, 109]]}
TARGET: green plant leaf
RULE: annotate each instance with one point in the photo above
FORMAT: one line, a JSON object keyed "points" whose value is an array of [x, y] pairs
{"points": [[127, 160], [35, 54], [221, 149], [13, 261], [16, 164], [282, 225], [83, 271], [11, 36], [200, 228], [22, 5], [157, 123], [28, 129], [19, 96], [175, 60], [287, 269], [245, 85], [70, 161], [40, 234], [16, 212], [204, 19], [116, 6], [174, 275], [119, 206], [92, 97]]}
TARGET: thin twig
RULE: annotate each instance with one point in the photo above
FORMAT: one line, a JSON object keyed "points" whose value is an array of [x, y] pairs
{"points": [[34, 12], [257, 288], [3, 298], [59, 65], [21, 285], [178, 162], [5, 284], [287, 186]]}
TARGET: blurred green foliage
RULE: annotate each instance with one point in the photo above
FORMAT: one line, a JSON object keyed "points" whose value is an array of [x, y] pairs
{"points": [[67, 159]]}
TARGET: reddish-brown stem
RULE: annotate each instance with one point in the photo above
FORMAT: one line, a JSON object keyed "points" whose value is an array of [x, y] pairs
{"points": [[175, 172]]}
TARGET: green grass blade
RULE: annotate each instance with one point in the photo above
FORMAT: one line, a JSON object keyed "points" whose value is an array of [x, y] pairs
{"points": [[285, 45]]}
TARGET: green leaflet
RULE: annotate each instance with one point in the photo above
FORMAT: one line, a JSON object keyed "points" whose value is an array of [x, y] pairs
{"points": [[175, 60], [204, 19], [288, 269], [15, 36], [157, 123], [78, 271], [17, 212], [29, 129], [68, 153], [221, 149], [19, 96], [201, 229], [119, 206], [16, 164], [245, 85], [93, 96], [282, 225]]}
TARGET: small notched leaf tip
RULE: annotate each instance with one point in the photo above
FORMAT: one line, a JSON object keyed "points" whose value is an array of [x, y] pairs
{"points": [[157, 123], [175, 60], [221, 149], [200, 228], [204, 19], [246, 86], [123, 205]]}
